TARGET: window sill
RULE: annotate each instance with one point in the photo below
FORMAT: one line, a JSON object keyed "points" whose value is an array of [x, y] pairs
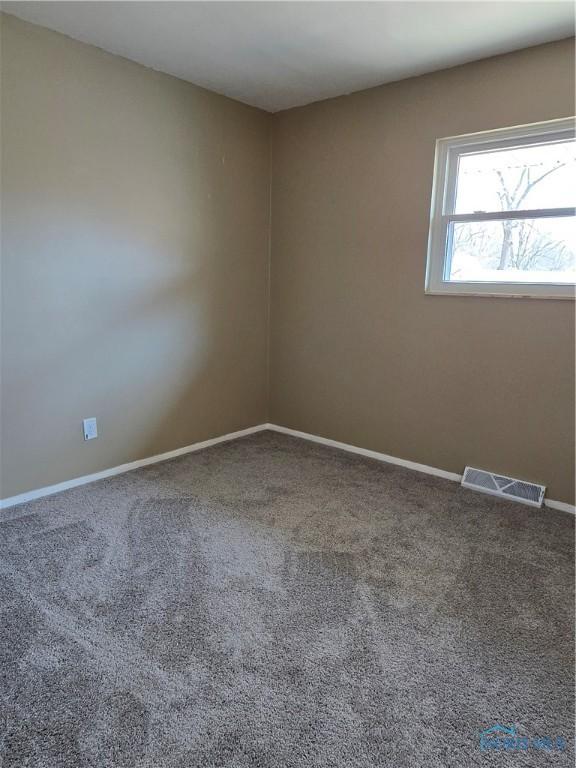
{"points": [[473, 290]]}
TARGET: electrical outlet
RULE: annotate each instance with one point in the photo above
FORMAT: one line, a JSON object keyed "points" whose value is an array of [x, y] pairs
{"points": [[90, 429]]}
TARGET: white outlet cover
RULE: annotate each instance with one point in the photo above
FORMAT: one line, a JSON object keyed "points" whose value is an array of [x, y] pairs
{"points": [[90, 429]]}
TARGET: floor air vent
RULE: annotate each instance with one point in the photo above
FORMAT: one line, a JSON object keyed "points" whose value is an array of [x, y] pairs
{"points": [[506, 487]]}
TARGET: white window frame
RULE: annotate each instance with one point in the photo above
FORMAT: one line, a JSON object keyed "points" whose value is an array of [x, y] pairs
{"points": [[448, 151]]}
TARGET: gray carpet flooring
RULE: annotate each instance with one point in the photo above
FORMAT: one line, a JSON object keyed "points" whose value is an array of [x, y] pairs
{"points": [[271, 602]]}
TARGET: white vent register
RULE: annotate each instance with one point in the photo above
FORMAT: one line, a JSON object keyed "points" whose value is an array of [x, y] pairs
{"points": [[505, 487]]}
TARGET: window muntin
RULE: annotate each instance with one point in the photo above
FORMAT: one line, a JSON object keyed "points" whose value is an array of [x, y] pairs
{"points": [[503, 213]]}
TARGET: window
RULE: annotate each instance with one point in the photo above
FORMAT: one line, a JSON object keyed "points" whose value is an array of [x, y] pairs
{"points": [[503, 213]]}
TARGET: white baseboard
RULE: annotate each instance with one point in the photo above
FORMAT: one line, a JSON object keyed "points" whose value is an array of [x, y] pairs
{"points": [[50, 489], [561, 506], [558, 505]]}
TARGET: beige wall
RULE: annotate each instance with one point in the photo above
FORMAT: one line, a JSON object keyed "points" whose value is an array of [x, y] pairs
{"points": [[135, 260], [359, 353], [135, 267]]}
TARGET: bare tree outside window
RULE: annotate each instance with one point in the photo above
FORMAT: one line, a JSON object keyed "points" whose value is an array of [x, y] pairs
{"points": [[525, 249]]}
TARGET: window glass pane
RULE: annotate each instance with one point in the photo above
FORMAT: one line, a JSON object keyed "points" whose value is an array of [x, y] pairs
{"points": [[528, 177], [514, 251]]}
